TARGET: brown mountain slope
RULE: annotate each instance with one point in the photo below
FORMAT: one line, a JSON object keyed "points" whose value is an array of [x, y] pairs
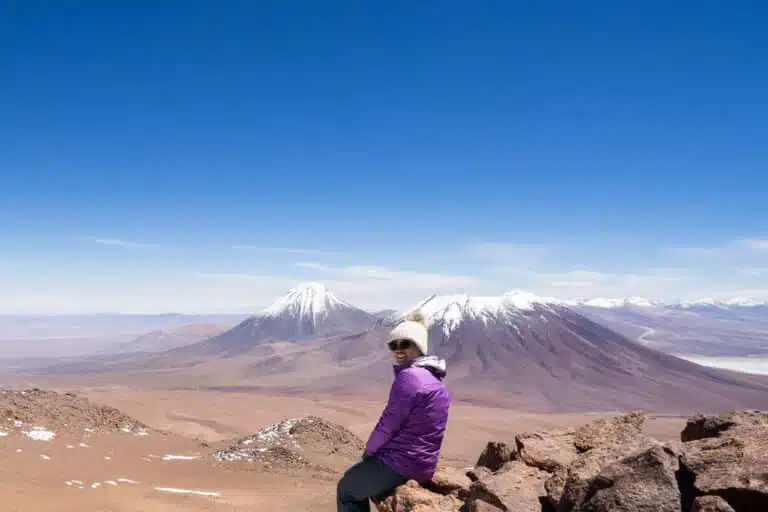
{"points": [[550, 359], [161, 340]]}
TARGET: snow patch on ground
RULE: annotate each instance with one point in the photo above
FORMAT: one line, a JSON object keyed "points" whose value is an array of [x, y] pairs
{"points": [[271, 436], [187, 491], [180, 457], [40, 434], [78, 484]]}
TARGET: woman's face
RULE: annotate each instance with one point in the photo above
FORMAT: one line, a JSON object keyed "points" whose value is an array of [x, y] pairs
{"points": [[403, 351]]}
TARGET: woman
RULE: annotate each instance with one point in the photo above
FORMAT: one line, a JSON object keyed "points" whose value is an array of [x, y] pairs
{"points": [[405, 445]]}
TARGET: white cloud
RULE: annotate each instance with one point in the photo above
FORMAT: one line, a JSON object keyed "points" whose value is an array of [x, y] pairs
{"points": [[368, 286], [754, 272], [482, 269], [116, 242], [193, 293], [312, 265], [378, 287], [756, 244], [284, 250], [650, 283], [733, 249]]}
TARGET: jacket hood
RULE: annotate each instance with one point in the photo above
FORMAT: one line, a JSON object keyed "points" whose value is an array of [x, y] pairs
{"points": [[436, 365]]}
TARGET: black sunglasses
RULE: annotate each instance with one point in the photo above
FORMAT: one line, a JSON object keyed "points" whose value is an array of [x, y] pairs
{"points": [[400, 345]]}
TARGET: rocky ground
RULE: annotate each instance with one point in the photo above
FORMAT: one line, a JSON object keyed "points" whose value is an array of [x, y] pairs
{"points": [[720, 464], [62, 452]]}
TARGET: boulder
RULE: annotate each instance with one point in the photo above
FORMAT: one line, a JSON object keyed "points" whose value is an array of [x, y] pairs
{"points": [[733, 466], [711, 504], [449, 481], [412, 497], [515, 487], [612, 430], [702, 427], [643, 481], [549, 451], [495, 455], [582, 472]]}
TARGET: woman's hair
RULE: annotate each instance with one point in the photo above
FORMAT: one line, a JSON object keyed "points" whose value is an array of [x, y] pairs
{"points": [[417, 317]]}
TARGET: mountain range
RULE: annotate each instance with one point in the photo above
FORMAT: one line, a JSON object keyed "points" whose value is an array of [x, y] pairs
{"points": [[734, 328], [517, 349]]}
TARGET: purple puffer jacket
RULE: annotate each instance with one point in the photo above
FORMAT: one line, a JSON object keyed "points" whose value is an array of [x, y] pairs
{"points": [[409, 434]]}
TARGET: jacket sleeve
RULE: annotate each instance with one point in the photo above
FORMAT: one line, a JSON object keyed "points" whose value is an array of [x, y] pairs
{"points": [[401, 399]]}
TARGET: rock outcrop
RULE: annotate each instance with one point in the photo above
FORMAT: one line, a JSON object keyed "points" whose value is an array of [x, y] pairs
{"points": [[412, 497], [297, 442], [727, 456], [60, 413], [609, 465]]}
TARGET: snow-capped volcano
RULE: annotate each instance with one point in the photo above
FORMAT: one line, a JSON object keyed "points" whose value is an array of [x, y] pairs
{"points": [[449, 311], [307, 301], [529, 349], [308, 311]]}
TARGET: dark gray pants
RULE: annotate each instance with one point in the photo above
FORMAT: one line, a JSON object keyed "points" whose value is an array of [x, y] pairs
{"points": [[369, 478]]}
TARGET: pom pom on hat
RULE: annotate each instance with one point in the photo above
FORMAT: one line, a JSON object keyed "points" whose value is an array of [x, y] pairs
{"points": [[417, 317], [413, 328]]}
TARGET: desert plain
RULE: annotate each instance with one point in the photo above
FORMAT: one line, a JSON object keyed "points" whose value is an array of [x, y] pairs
{"points": [[171, 468]]}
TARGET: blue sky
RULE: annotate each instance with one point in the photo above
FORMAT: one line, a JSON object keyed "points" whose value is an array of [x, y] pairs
{"points": [[190, 157]]}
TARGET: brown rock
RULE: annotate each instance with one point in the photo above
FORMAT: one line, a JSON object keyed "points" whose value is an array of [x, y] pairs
{"points": [[515, 487], [555, 486], [549, 451], [449, 481], [495, 455], [482, 506], [479, 473], [733, 466], [412, 497], [711, 504], [588, 465], [641, 482], [702, 427], [612, 430]]}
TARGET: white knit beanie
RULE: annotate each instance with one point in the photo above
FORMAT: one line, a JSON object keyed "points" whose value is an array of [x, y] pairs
{"points": [[414, 328]]}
